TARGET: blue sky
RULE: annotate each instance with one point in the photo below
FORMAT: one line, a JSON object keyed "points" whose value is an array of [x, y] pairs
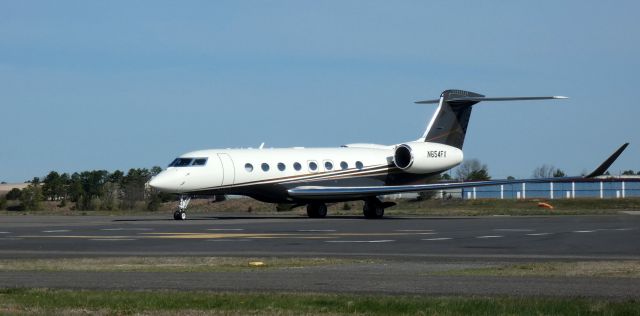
{"points": [[121, 84]]}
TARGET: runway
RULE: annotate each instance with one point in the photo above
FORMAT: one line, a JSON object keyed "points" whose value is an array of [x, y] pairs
{"points": [[405, 238], [405, 252]]}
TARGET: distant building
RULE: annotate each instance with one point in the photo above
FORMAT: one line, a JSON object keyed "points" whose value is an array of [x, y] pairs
{"points": [[5, 188]]}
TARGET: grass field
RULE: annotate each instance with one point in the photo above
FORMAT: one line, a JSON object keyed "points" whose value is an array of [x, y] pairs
{"points": [[625, 269], [70, 302], [169, 264], [480, 207]]}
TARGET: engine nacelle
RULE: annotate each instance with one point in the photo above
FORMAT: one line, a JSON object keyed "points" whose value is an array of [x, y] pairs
{"points": [[423, 157]]}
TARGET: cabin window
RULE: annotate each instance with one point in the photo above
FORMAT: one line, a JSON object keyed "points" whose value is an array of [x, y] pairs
{"points": [[181, 162], [248, 167], [297, 166], [265, 167], [281, 166], [344, 165], [199, 162], [359, 165], [313, 166], [328, 165]]}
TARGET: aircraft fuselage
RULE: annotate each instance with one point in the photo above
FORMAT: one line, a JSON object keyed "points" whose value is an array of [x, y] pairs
{"points": [[266, 174]]}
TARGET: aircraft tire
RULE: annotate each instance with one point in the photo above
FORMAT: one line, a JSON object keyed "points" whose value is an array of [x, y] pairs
{"points": [[179, 216], [373, 210], [317, 210]]}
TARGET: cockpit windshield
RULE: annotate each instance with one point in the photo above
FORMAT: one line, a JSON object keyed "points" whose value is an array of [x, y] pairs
{"points": [[185, 162], [181, 162], [199, 162]]}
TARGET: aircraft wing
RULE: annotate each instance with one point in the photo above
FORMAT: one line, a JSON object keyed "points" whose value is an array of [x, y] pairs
{"points": [[321, 192]]}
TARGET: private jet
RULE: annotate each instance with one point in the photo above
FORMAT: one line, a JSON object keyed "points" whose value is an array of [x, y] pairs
{"points": [[316, 176]]}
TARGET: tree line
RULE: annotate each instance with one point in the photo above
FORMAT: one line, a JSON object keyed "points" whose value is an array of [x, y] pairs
{"points": [[92, 190]]}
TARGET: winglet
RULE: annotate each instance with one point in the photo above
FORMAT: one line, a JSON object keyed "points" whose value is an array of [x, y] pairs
{"points": [[607, 163]]}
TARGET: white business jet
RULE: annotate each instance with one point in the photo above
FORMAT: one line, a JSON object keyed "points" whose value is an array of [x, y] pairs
{"points": [[316, 176]]}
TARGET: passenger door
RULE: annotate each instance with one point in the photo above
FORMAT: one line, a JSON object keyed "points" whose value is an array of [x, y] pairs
{"points": [[228, 169]]}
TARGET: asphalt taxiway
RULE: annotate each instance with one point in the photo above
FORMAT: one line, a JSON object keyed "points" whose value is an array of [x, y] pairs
{"points": [[406, 251], [516, 238]]}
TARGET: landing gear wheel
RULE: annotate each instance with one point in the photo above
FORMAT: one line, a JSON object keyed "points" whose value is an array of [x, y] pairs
{"points": [[317, 210], [180, 214], [373, 209]]}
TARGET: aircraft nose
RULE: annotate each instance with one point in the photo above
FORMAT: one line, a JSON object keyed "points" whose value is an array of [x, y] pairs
{"points": [[154, 183], [160, 182]]}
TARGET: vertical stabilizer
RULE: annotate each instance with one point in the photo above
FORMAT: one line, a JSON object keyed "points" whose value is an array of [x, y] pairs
{"points": [[449, 124]]}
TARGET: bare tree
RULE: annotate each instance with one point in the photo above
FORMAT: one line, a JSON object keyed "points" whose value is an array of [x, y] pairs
{"points": [[472, 169], [544, 171]]}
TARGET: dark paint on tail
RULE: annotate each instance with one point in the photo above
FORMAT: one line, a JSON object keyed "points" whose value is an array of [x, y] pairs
{"points": [[450, 124]]}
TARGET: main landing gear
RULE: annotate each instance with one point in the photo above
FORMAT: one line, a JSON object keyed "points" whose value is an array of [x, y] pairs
{"points": [[180, 214], [317, 210], [374, 208]]}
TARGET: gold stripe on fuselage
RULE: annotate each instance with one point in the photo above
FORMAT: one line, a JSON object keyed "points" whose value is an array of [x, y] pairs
{"points": [[327, 175]]}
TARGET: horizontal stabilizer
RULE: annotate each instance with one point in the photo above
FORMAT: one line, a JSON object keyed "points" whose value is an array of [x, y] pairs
{"points": [[478, 99]]}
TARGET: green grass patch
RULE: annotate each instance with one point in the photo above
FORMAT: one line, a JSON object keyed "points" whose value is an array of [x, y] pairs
{"points": [[168, 264], [45, 301], [625, 269]]}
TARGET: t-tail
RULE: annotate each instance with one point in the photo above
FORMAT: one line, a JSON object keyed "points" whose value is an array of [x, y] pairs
{"points": [[449, 123]]}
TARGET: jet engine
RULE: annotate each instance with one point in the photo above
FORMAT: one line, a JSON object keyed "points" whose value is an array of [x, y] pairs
{"points": [[424, 157]]}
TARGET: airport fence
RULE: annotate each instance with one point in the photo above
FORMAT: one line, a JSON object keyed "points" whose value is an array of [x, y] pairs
{"points": [[609, 188]]}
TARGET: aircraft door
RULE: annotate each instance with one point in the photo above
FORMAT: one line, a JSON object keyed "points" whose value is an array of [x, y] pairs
{"points": [[228, 169]]}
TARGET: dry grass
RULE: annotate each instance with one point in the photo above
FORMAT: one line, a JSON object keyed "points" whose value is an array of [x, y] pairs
{"points": [[627, 269], [166, 264]]}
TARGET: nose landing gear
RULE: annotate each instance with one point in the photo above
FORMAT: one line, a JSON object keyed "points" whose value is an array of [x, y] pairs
{"points": [[180, 214]]}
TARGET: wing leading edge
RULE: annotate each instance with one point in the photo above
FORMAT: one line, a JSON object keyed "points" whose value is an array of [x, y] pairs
{"points": [[321, 192]]}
